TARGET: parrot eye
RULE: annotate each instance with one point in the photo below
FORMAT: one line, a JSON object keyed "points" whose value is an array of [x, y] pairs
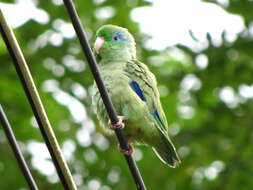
{"points": [[117, 37]]}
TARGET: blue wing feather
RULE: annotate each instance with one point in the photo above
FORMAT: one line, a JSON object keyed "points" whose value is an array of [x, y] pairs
{"points": [[136, 88], [157, 117]]}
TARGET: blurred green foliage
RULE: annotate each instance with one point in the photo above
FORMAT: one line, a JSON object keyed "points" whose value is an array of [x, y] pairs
{"points": [[213, 137]]}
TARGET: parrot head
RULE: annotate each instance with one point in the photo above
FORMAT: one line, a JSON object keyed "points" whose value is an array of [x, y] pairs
{"points": [[114, 43]]}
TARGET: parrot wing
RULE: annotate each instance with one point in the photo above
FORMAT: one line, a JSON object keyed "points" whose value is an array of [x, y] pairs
{"points": [[143, 82]]}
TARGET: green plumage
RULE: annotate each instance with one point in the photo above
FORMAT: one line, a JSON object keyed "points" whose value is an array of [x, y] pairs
{"points": [[133, 91]]}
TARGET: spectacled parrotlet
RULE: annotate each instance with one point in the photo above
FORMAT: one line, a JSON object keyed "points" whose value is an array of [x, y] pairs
{"points": [[133, 90]]}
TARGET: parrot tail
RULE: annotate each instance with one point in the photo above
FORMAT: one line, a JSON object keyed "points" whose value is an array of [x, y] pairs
{"points": [[166, 151]]}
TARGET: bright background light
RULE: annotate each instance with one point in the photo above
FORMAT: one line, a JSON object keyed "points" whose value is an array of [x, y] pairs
{"points": [[162, 21], [169, 26]]}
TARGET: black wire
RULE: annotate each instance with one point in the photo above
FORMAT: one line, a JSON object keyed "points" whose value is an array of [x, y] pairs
{"points": [[35, 111], [15, 148], [104, 94]]}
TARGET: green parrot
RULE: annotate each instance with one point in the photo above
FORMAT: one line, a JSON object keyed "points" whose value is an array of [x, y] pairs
{"points": [[133, 91]]}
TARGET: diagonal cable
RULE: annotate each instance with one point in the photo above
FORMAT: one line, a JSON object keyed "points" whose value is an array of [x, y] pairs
{"points": [[104, 94], [36, 104], [16, 150]]}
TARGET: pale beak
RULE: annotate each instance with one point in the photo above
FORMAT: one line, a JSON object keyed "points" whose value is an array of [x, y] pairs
{"points": [[99, 43]]}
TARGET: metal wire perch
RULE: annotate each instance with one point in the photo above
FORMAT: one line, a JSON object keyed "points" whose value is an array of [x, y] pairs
{"points": [[36, 104], [104, 94], [16, 150]]}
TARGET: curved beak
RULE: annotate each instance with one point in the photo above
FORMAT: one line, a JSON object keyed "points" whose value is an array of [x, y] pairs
{"points": [[99, 43]]}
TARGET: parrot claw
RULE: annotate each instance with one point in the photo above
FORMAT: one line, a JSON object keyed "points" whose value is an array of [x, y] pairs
{"points": [[119, 125], [127, 151]]}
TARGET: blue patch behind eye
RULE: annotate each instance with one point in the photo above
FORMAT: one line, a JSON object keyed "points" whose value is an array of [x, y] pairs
{"points": [[156, 115], [134, 85], [119, 36]]}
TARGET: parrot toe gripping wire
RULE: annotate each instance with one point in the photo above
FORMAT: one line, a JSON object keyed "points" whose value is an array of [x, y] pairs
{"points": [[127, 151], [119, 125]]}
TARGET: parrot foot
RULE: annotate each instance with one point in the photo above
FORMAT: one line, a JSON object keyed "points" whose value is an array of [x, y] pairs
{"points": [[127, 151], [119, 125]]}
